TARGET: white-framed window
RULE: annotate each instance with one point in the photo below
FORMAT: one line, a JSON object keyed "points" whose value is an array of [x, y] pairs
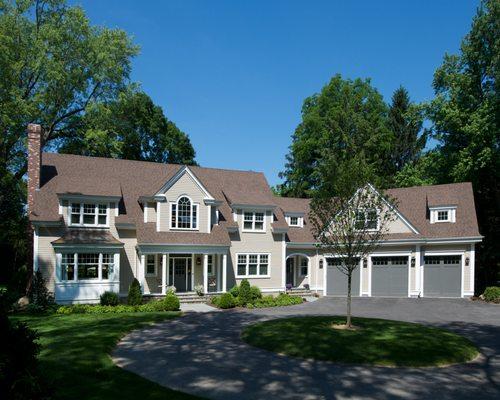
{"points": [[442, 214], [253, 221], [151, 265], [253, 265], [88, 214], [87, 266], [295, 220], [304, 266], [367, 219], [184, 214]]}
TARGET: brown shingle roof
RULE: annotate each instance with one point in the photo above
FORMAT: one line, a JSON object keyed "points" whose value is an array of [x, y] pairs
{"points": [[131, 179], [87, 236]]}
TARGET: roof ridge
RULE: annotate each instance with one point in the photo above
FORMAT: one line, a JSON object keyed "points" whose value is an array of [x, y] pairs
{"points": [[150, 162]]}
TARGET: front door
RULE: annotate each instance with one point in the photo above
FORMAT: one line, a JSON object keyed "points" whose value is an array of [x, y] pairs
{"points": [[182, 274], [290, 272]]}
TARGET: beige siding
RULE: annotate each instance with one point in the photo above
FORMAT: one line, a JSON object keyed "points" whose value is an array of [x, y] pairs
{"points": [[151, 214], [46, 254], [185, 186], [257, 242]]}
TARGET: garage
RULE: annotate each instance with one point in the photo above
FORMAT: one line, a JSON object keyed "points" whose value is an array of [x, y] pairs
{"points": [[442, 276], [390, 276], [336, 280]]}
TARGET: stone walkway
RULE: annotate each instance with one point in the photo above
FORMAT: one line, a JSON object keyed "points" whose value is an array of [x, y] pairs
{"points": [[203, 354]]}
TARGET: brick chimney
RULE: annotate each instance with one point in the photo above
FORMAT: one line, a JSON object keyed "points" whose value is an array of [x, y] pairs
{"points": [[34, 161]]}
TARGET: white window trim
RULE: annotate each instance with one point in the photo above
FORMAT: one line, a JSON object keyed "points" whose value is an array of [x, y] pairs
{"points": [[193, 204], [366, 211], [96, 218], [434, 211], [253, 212], [258, 276], [300, 220], [155, 264], [75, 263]]}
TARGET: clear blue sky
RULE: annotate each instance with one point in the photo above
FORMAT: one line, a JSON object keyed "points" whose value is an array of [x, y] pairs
{"points": [[234, 74]]}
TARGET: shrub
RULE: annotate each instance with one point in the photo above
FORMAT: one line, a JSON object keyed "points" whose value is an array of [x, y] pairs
{"points": [[235, 291], [171, 302], [226, 300], [19, 371], [199, 290], [281, 300], [492, 293], [109, 299], [134, 297], [255, 293], [171, 289], [245, 294], [39, 295]]}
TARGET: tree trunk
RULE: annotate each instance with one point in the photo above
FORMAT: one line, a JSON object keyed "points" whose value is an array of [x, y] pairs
{"points": [[348, 319]]}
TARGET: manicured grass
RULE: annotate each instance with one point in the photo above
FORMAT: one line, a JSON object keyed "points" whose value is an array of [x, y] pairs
{"points": [[376, 342], [75, 356]]}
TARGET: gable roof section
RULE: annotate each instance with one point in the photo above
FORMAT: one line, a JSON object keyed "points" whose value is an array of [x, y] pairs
{"points": [[182, 171]]}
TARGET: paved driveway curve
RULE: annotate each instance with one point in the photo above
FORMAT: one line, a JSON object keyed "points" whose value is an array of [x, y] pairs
{"points": [[203, 354]]}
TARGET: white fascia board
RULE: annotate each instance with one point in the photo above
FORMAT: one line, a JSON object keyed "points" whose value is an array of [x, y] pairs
{"points": [[184, 170], [153, 248], [294, 214], [86, 247], [393, 207], [450, 207]]}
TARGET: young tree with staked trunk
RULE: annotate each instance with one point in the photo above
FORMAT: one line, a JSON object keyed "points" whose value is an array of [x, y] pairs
{"points": [[351, 224]]}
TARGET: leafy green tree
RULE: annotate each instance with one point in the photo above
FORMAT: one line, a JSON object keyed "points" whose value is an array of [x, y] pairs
{"points": [[131, 127], [347, 117], [426, 170], [405, 121], [465, 115]]}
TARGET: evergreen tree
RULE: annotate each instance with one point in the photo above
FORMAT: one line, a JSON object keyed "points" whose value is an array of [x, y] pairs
{"points": [[405, 122]]}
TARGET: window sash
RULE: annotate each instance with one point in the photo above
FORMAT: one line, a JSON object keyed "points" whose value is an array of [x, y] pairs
{"points": [[88, 214], [252, 265], [254, 221], [87, 267], [366, 219], [151, 264], [443, 215], [184, 216]]}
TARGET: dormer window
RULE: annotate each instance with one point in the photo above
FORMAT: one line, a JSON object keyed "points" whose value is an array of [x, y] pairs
{"points": [[253, 221], [295, 220], [442, 214], [88, 214], [184, 214]]}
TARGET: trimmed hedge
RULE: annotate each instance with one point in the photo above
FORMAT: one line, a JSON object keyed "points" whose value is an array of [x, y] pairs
{"points": [[283, 299], [492, 293], [169, 303]]}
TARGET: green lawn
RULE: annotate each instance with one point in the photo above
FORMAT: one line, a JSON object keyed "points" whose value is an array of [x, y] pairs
{"points": [[377, 342], [75, 356]]}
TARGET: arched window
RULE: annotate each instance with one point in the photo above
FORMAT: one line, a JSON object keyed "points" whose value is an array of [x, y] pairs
{"points": [[184, 214]]}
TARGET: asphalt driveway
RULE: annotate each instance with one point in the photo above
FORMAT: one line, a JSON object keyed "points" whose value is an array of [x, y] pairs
{"points": [[203, 354]]}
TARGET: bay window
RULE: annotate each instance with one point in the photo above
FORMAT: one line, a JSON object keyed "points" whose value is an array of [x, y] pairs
{"points": [[87, 266], [252, 265], [88, 214]]}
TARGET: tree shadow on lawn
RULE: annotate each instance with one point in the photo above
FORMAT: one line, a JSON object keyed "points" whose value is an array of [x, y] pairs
{"points": [[204, 355]]}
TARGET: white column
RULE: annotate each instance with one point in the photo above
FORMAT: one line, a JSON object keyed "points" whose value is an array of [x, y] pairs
{"points": [[168, 269], [140, 272], [283, 262], [418, 282], [193, 263], [205, 273], [163, 274], [224, 272], [472, 264]]}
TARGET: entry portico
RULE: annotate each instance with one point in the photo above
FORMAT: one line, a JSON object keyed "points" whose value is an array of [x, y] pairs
{"points": [[183, 267]]}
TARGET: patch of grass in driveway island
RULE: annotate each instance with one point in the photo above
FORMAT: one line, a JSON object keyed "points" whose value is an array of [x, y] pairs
{"points": [[375, 342], [75, 356]]}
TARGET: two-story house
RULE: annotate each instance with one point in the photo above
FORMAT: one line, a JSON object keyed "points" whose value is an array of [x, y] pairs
{"points": [[99, 222]]}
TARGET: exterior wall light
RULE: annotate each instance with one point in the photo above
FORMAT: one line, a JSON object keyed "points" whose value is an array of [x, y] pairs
{"points": [[413, 262], [321, 264], [365, 263], [467, 261]]}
